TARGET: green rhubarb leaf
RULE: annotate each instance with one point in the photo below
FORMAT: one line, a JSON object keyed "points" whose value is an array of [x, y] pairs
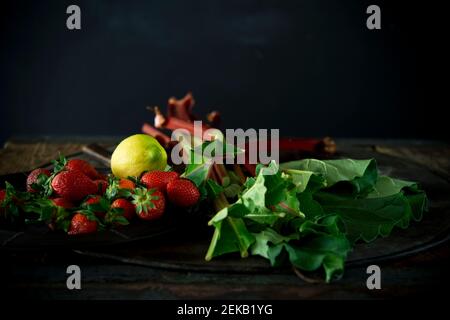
{"points": [[361, 175], [329, 224], [254, 197], [197, 173], [213, 189], [265, 216], [268, 237], [368, 219], [322, 244], [416, 197], [309, 207], [327, 251], [290, 205], [202, 158], [232, 190], [387, 186], [300, 178], [275, 184], [311, 213], [237, 210], [230, 235]]}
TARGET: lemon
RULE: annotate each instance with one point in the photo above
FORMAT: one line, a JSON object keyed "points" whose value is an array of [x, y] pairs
{"points": [[136, 154]]}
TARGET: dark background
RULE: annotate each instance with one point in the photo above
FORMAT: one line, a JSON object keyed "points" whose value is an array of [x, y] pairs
{"points": [[310, 68]]}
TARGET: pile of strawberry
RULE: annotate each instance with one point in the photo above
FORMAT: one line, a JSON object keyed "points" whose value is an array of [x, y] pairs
{"points": [[76, 198]]}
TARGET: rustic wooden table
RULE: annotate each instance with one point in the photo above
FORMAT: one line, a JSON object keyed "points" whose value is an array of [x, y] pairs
{"points": [[42, 273]]}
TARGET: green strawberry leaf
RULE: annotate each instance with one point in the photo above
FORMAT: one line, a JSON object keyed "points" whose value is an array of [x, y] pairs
{"points": [[9, 204], [115, 216], [113, 191]]}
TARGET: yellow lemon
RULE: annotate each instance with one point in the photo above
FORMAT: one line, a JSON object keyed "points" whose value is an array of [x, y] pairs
{"points": [[136, 154]]}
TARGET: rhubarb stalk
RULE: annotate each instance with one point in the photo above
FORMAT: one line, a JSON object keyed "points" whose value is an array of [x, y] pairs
{"points": [[181, 108], [155, 133], [172, 123]]}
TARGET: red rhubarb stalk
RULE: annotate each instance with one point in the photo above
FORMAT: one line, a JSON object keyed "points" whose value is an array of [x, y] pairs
{"points": [[238, 171], [181, 108], [214, 118], [172, 123], [251, 169], [326, 145], [155, 133], [221, 173]]}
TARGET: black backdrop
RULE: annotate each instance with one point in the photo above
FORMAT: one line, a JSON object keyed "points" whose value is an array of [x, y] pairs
{"points": [[310, 68]]}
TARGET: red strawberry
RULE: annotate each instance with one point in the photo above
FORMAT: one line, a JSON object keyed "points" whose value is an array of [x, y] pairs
{"points": [[83, 166], [73, 185], [80, 224], [7, 204], [182, 192], [101, 186], [158, 179], [126, 184], [33, 177], [127, 206], [102, 177], [94, 200], [2, 195], [150, 204], [61, 202]]}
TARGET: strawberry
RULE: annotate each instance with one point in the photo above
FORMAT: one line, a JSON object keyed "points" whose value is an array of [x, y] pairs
{"points": [[126, 184], [127, 206], [59, 220], [150, 204], [80, 224], [101, 186], [33, 178], [182, 192], [73, 185], [102, 177], [61, 202], [9, 201], [95, 199], [2, 195], [83, 166], [158, 179]]}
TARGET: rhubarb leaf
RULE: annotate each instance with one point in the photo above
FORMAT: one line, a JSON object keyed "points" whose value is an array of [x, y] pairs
{"points": [[387, 186], [230, 235], [213, 189], [268, 237], [368, 219], [360, 174], [311, 213]]}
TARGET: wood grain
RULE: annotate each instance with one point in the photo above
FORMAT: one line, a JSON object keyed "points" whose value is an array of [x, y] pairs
{"points": [[41, 273]]}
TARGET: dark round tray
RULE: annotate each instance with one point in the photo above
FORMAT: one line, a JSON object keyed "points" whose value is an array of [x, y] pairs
{"points": [[180, 242]]}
